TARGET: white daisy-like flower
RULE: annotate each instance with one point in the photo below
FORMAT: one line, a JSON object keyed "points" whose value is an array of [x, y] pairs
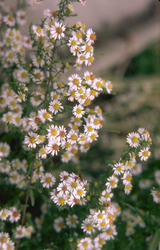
{"points": [[48, 180], [88, 226], [4, 214], [128, 188], [111, 232], [82, 139], [62, 133], [31, 140], [38, 31], [4, 149], [112, 182], [23, 76], [72, 220], [59, 199], [88, 49], [7, 117], [4, 166], [72, 136], [4, 239], [118, 168], [44, 115], [43, 152], [37, 61], [57, 30], [105, 196], [14, 177], [74, 81], [55, 107], [21, 17], [144, 134], [27, 42], [133, 139], [89, 129], [89, 60], [40, 139], [20, 232], [79, 192], [14, 215], [53, 131], [85, 243], [73, 42], [127, 177], [59, 224], [9, 20], [78, 111], [109, 86], [90, 36], [156, 195], [144, 154], [66, 156], [38, 76], [64, 175], [54, 146], [137, 169]]}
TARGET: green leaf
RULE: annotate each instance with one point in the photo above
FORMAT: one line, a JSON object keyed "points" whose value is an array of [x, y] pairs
{"points": [[156, 240], [32, 197]]}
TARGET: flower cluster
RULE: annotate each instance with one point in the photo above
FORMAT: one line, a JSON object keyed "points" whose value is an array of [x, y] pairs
{"points": [[6, 242], [11, 214], [127, 166], [99, 221], [70, 191], [45, 130], [71, 221], [133, 220]]}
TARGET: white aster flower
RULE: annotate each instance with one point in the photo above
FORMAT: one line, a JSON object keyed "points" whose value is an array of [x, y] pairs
{"points": [[78, 111], [31, 140], [144, 154], [133, 139], [55, 106], [57, 30], [48, 180], [156, 196]]}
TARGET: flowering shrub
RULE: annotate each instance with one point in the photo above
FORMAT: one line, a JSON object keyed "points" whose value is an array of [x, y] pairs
{"points": [[48, 124]]}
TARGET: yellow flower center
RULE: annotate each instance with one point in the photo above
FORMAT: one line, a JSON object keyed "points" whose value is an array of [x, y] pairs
{"points": [[146, 153], [89, 227], [46, 115], [74, 137], [32, 140], [24, 75], [56, 106], [48, 180], [129, 178], [93, 37], [80, 192], [74, 42], [39, 30], [134, 139], [74, 184], [110, 231], [54, 132], [76, 81], [61, 200]]}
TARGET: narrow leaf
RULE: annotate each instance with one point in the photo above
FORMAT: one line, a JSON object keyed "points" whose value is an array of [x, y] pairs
{"points": [[32, 197], [155, 241]]}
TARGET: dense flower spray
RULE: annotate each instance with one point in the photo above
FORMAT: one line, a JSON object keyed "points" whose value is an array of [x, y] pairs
{"points": [[55, 120]]}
